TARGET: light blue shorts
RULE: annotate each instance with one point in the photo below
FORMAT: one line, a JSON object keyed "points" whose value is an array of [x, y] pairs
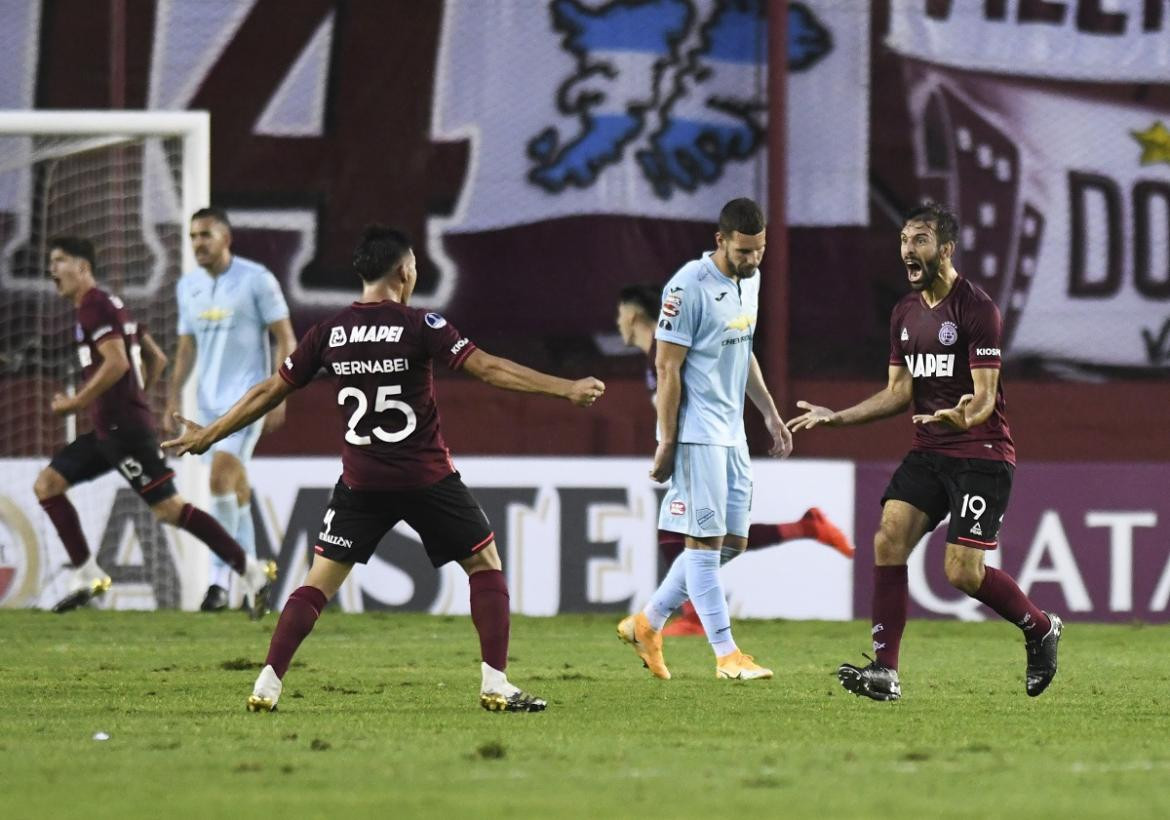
{"points": [[239, 444], [710, 492]]}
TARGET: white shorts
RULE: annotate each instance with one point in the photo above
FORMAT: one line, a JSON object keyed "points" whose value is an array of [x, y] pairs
{"points": [[239, 444], [710, 491]]}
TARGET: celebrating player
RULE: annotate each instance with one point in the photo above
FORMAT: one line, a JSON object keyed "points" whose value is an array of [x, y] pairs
{"points": [[227, 308], [945, 357], [705, 330], [637, 318], [119, 361], [395, 464]]}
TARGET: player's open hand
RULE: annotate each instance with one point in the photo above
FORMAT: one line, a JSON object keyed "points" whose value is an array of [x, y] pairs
{"points": [[953, 417], [191, 440], [815, 415], [586, 391], [64, 405], [663, 467]]}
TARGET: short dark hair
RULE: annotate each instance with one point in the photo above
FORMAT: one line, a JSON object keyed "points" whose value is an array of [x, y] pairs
{"points": [[742, 215], [76, 246], [218, 214], [379, 251], [946, 224], [644, 295]]}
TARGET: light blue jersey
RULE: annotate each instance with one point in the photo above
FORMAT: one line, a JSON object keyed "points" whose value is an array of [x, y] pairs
{"points": [[229, 317], [716, 318]]}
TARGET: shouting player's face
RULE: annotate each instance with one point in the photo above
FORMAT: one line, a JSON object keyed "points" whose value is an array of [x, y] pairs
{"points": [[67, 272], [921, 254], [743, 252], [211, 242]]}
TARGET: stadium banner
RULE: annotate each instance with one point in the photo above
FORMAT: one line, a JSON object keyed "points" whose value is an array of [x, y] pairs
{"points": [[654, 109], [1088, 541], [575, 535], [1122, 40], [1062, 236]]}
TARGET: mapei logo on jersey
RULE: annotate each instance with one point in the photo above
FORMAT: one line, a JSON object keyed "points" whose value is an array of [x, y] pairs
{"points": [[435, 321], [948, 334], [930, 364], [459, 345], [988, 351], [365, 333], [678, 508]]}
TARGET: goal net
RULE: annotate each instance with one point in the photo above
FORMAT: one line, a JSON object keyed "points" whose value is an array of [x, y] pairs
{"points": [[128, 181]]}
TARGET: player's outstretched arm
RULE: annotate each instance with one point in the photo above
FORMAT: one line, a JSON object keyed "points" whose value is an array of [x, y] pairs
{"points": [[184, 361], [114, 365], [758, 392], [255, 403], [507, 375], [154, 361], [972, 409], [894, 399]]}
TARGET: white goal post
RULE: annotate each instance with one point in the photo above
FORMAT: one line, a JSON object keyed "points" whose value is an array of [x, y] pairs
{"points": [[129, 180]]}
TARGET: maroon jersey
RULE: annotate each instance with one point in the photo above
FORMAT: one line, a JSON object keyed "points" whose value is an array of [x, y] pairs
{"points": [[379, 357], [940, 346], [101, 316]]}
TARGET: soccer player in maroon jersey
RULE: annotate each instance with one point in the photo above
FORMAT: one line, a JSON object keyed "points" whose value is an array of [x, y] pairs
{"points": [[637, 316], [945, 339], [395, 464], [119, 362]]}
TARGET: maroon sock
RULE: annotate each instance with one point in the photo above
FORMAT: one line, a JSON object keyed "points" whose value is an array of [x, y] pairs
{"points": [[1001, 593], [670, 545], [64, 517], [208, 530], [301, 611], [767, 535], [891, 594], [490, 612]]}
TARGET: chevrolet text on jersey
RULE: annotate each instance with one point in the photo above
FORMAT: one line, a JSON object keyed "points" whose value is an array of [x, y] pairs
{"points": [[931, 364]]}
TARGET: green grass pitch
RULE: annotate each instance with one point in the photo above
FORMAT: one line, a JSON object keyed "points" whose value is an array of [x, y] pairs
{"points": [[379, 718]]}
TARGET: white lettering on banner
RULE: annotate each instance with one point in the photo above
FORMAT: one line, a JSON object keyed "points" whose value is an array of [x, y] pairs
{"points": [[927, 365], [1160, 600], [1051, 542], [1088, 245], [1121, 525], [361, 367], [1114, 42]]}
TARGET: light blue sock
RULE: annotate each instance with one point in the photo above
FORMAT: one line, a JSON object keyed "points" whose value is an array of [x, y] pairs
{"points": [[246, 531], [226, 510], [706, 593], [670, 593]]}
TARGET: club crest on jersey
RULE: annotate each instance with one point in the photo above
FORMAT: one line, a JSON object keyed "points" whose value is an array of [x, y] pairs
{"points": [[434, 321], [930, 364], [948, 334]]}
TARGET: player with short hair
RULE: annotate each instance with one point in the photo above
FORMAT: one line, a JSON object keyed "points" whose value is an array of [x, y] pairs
{"points": [[945, 340], [637, 319], [395, 465], [228, 306], [704, 366], [119, 361]]}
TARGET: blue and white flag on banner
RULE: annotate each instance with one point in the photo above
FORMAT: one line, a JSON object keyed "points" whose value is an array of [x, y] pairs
{"points": [[654, 108]]}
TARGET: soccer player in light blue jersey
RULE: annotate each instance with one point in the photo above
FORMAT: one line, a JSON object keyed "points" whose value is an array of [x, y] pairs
{"points": [[228, 306], [705, 365]]}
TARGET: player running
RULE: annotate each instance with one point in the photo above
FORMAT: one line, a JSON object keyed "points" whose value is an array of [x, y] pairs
{"points": [[395, 464], [637, 318], [119, 362], [945, 339]]}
